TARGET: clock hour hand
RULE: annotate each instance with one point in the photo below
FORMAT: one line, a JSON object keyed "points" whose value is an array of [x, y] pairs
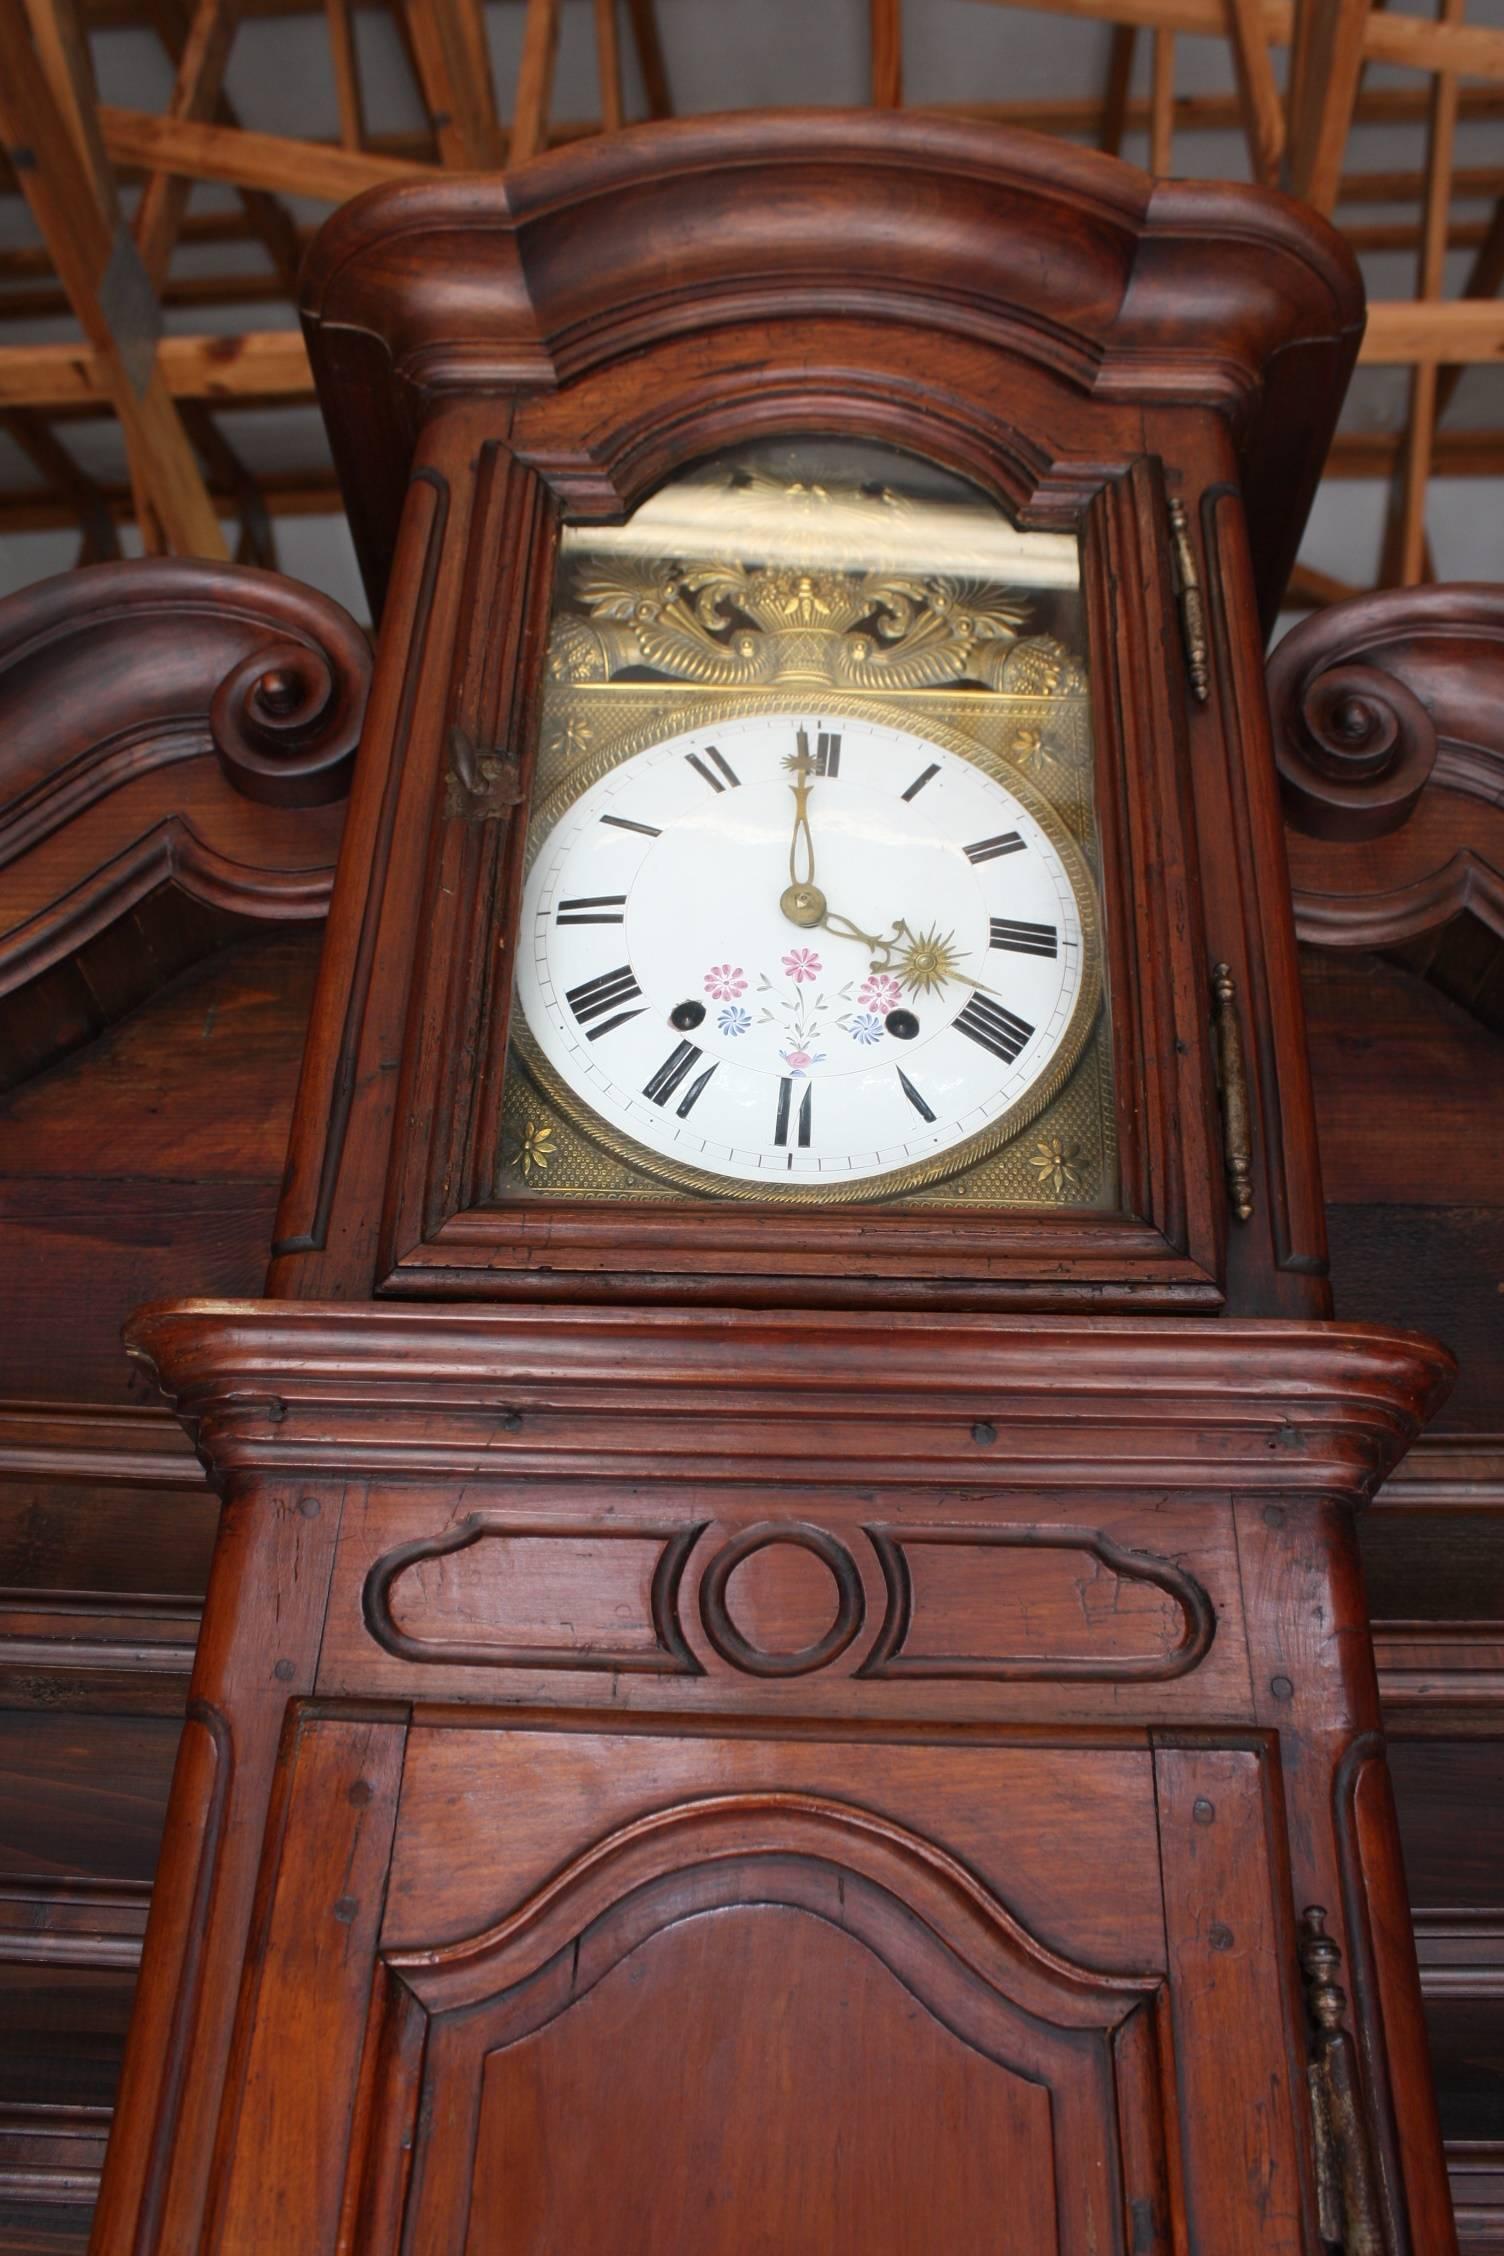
{"points": [[922, 961]]}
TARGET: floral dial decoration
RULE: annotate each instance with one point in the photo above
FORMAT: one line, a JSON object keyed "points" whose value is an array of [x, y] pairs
{"points": [[808, 949]]}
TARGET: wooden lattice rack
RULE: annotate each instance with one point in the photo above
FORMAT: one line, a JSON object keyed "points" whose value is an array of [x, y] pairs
{"points": [[109, 192]]}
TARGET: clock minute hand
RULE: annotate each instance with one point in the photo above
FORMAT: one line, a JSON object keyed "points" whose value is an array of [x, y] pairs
{"points": [[802, 902]]}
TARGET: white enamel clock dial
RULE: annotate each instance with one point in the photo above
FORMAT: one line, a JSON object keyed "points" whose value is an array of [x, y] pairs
{"points": [[925, 983]]}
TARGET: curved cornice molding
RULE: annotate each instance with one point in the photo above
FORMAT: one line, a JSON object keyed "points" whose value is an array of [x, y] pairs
{"points": [[168, 720], [1389, 734], [1228, 297], [893, 1400]]}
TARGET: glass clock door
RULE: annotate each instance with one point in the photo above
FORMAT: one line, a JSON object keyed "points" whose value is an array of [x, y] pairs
{"points": [[812, 906]]}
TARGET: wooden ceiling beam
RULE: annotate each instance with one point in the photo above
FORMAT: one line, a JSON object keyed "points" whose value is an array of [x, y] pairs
{"points": [[228, 474], [642, 15], [1326, 65], [340, 18], [1404, 332], [1413, 42], [613, 92], [1406, 558], [244, 159], [196, 91], [1116, 104], [262, 366], [1258, 92], [271, 224], [447, 40], [1470, 184], [296, 494], [1457, 454], [1162, 104], [1310, 590], [46, 301], [1404, 235], [111, 295], [1206, 112], [29, 262], [885, 51], [535, 80], [62, 48]]}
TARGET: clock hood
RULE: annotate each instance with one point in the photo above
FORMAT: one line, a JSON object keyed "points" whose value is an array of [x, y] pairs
{"points": [[1122, 289]]}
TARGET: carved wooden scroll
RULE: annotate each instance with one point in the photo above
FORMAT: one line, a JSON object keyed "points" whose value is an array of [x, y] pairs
{"points": [[1389, 733], [173, 737]]}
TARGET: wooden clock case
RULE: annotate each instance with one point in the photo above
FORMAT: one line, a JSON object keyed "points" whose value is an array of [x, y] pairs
{"points": [[492, 358], [763, 1735]]}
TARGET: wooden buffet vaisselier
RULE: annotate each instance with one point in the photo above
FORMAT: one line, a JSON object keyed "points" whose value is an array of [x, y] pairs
{"points": [[785, 1668]]}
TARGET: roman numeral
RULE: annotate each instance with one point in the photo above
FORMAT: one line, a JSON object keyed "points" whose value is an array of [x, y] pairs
{"points": [[1024, 939], [620, 822], [827, 754], [921, 780], [599, 908], [728, 774], [675, 1066], [606, 992], [997, 1029], [915, 1099], [785, 1111], [988, 849]]}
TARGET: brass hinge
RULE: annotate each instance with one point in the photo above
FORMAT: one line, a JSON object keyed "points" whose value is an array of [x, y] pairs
{"points": [[1192, 605], [1232, 1079], [1346, 2183], [480, 786]]}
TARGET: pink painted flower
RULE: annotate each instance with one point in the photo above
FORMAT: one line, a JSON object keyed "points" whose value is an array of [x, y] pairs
{"points": [[725, 982], [880, 993], [802, 964], [798, 1059]]}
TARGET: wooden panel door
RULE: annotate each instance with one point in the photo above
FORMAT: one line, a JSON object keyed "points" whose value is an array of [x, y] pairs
{"points": [[634, 1993]]}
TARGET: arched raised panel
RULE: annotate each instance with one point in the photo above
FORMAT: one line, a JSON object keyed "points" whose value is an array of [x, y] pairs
{"points": [[767, 2081], [766, 2015]]}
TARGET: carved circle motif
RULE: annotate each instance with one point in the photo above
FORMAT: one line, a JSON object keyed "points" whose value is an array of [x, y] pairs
{"points": [[286, 722], [728, 1640], [1354, 745]]}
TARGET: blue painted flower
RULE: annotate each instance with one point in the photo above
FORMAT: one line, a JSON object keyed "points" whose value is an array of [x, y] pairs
{"points": [[734, 1021], [866, 1029]]}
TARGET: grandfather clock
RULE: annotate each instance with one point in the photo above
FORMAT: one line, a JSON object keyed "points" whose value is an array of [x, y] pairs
{"points": [[785, 1667]]}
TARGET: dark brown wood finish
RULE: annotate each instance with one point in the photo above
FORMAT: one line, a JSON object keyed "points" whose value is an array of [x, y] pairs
{"points": [[531, 348], [163, 720], [1079, 264], [901, 1720], [167, 842], [513, 1528], [1391, 751]]}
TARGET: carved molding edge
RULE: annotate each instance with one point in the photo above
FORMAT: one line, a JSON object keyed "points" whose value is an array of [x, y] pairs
{"points": [[427, 292], [1326, 1408]]}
